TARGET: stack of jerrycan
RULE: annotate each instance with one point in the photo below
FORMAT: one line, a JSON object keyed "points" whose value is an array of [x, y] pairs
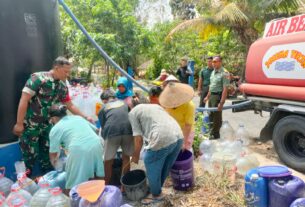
{"points": [[18, 195], [5, 183], [272, 186], [58, 199], [41, 197]]}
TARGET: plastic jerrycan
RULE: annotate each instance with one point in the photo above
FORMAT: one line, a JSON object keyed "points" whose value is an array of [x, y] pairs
{"points": [[283, 191], [256, 189], [41, 197]]}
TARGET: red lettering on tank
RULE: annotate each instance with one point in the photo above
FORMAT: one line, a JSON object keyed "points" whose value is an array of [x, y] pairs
{"points": [[281, 29], [270, 31], [301, 26], [293, 24]]}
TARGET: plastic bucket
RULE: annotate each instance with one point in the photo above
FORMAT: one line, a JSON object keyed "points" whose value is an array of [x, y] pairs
{"points": [[135, 184], [182, 172]]}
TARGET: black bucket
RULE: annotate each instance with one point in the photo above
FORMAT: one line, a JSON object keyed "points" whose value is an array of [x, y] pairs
{"points": [[135, 184]]}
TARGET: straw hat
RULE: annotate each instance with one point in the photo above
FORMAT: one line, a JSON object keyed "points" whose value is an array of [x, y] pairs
{"points": [[176, 94], [171, 78]]}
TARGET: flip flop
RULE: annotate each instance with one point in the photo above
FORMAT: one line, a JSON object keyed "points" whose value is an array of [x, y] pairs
{"points": [[151, 200]]}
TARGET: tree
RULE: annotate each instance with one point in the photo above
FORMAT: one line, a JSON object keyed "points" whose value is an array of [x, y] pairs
{"points": [[245, 18], [112, 24]]}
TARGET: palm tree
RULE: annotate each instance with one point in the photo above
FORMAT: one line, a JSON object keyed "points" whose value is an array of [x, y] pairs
{"points": [[246, 18]]}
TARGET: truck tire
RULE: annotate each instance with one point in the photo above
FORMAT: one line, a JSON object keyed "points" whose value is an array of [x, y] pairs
{"points": [[289, 141]]}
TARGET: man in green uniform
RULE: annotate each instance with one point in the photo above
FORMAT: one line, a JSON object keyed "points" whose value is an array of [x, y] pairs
{"points": [[217, 95], [204, 81], [41, 91]]}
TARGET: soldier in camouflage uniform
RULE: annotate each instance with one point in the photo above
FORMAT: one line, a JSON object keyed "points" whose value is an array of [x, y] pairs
{"points": [[41, 91]]}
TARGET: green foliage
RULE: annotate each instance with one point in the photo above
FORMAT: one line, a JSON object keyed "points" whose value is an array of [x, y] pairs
{"points": [[113, 26], [199, 135]]}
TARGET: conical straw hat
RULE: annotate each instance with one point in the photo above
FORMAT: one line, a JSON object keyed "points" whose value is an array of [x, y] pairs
{"points": [[91, 190], [176, 94]]}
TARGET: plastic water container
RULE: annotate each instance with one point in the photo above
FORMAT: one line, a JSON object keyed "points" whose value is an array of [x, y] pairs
{"points": [[207, 147], [5, 183], [300, 202], [182, 172], [283, 191], [42, 196], [17, 201], [56, 179], [74, 197], [58, 199], [246, 163], [111, 197], [226, 131], [18, 193], [2, 201], [256, 189], [206, 162], [242, 135], [26, 183], [234, 148], [224, 164]]}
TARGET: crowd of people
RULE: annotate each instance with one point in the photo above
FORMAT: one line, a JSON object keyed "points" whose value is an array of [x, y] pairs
{"points": [[162, 125]]}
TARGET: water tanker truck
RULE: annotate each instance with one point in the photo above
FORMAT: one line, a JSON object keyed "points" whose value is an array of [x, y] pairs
{"points": [[275, 82]]}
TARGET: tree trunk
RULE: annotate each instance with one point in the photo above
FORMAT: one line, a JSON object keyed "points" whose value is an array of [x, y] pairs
{"points": [[108, 74], [90, 71]]}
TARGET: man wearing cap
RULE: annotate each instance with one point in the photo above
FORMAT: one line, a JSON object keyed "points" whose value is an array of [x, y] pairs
{"points": [[217, 95], [184, 72], [204, 81], [176, 98], [162, 139], [116, 131], [41, 91]]}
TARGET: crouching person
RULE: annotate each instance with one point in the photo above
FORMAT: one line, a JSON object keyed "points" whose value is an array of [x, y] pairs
{"points": [[162, 138], [116, 131], [78, 137]]}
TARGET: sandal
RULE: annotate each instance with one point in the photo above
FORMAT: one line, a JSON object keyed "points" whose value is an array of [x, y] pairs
{"points": [[151, 200]]}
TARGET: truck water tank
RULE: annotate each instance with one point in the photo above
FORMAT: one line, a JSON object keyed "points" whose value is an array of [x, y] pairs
{"points": [[30, 41], [277, 61]]}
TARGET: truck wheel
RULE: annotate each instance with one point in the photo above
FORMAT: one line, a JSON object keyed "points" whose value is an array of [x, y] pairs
{"points": [[289, 141]]}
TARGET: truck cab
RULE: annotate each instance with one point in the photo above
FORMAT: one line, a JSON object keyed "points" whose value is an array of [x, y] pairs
{"points": [[275, 82]]}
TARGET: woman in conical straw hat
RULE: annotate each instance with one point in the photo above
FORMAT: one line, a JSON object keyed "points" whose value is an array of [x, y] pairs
{"points": [[176, 98]]}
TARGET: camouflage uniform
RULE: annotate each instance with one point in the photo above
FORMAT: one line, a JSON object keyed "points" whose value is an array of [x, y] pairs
{"points": [[35, 139]]}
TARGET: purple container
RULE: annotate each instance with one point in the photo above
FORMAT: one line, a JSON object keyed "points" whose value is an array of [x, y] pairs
{"points": [[283, 191], [300, 202], [111, 197], [182, 172]]}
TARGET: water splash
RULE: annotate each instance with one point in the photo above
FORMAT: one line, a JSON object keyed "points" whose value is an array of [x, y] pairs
{"points": [[150, 12]]}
